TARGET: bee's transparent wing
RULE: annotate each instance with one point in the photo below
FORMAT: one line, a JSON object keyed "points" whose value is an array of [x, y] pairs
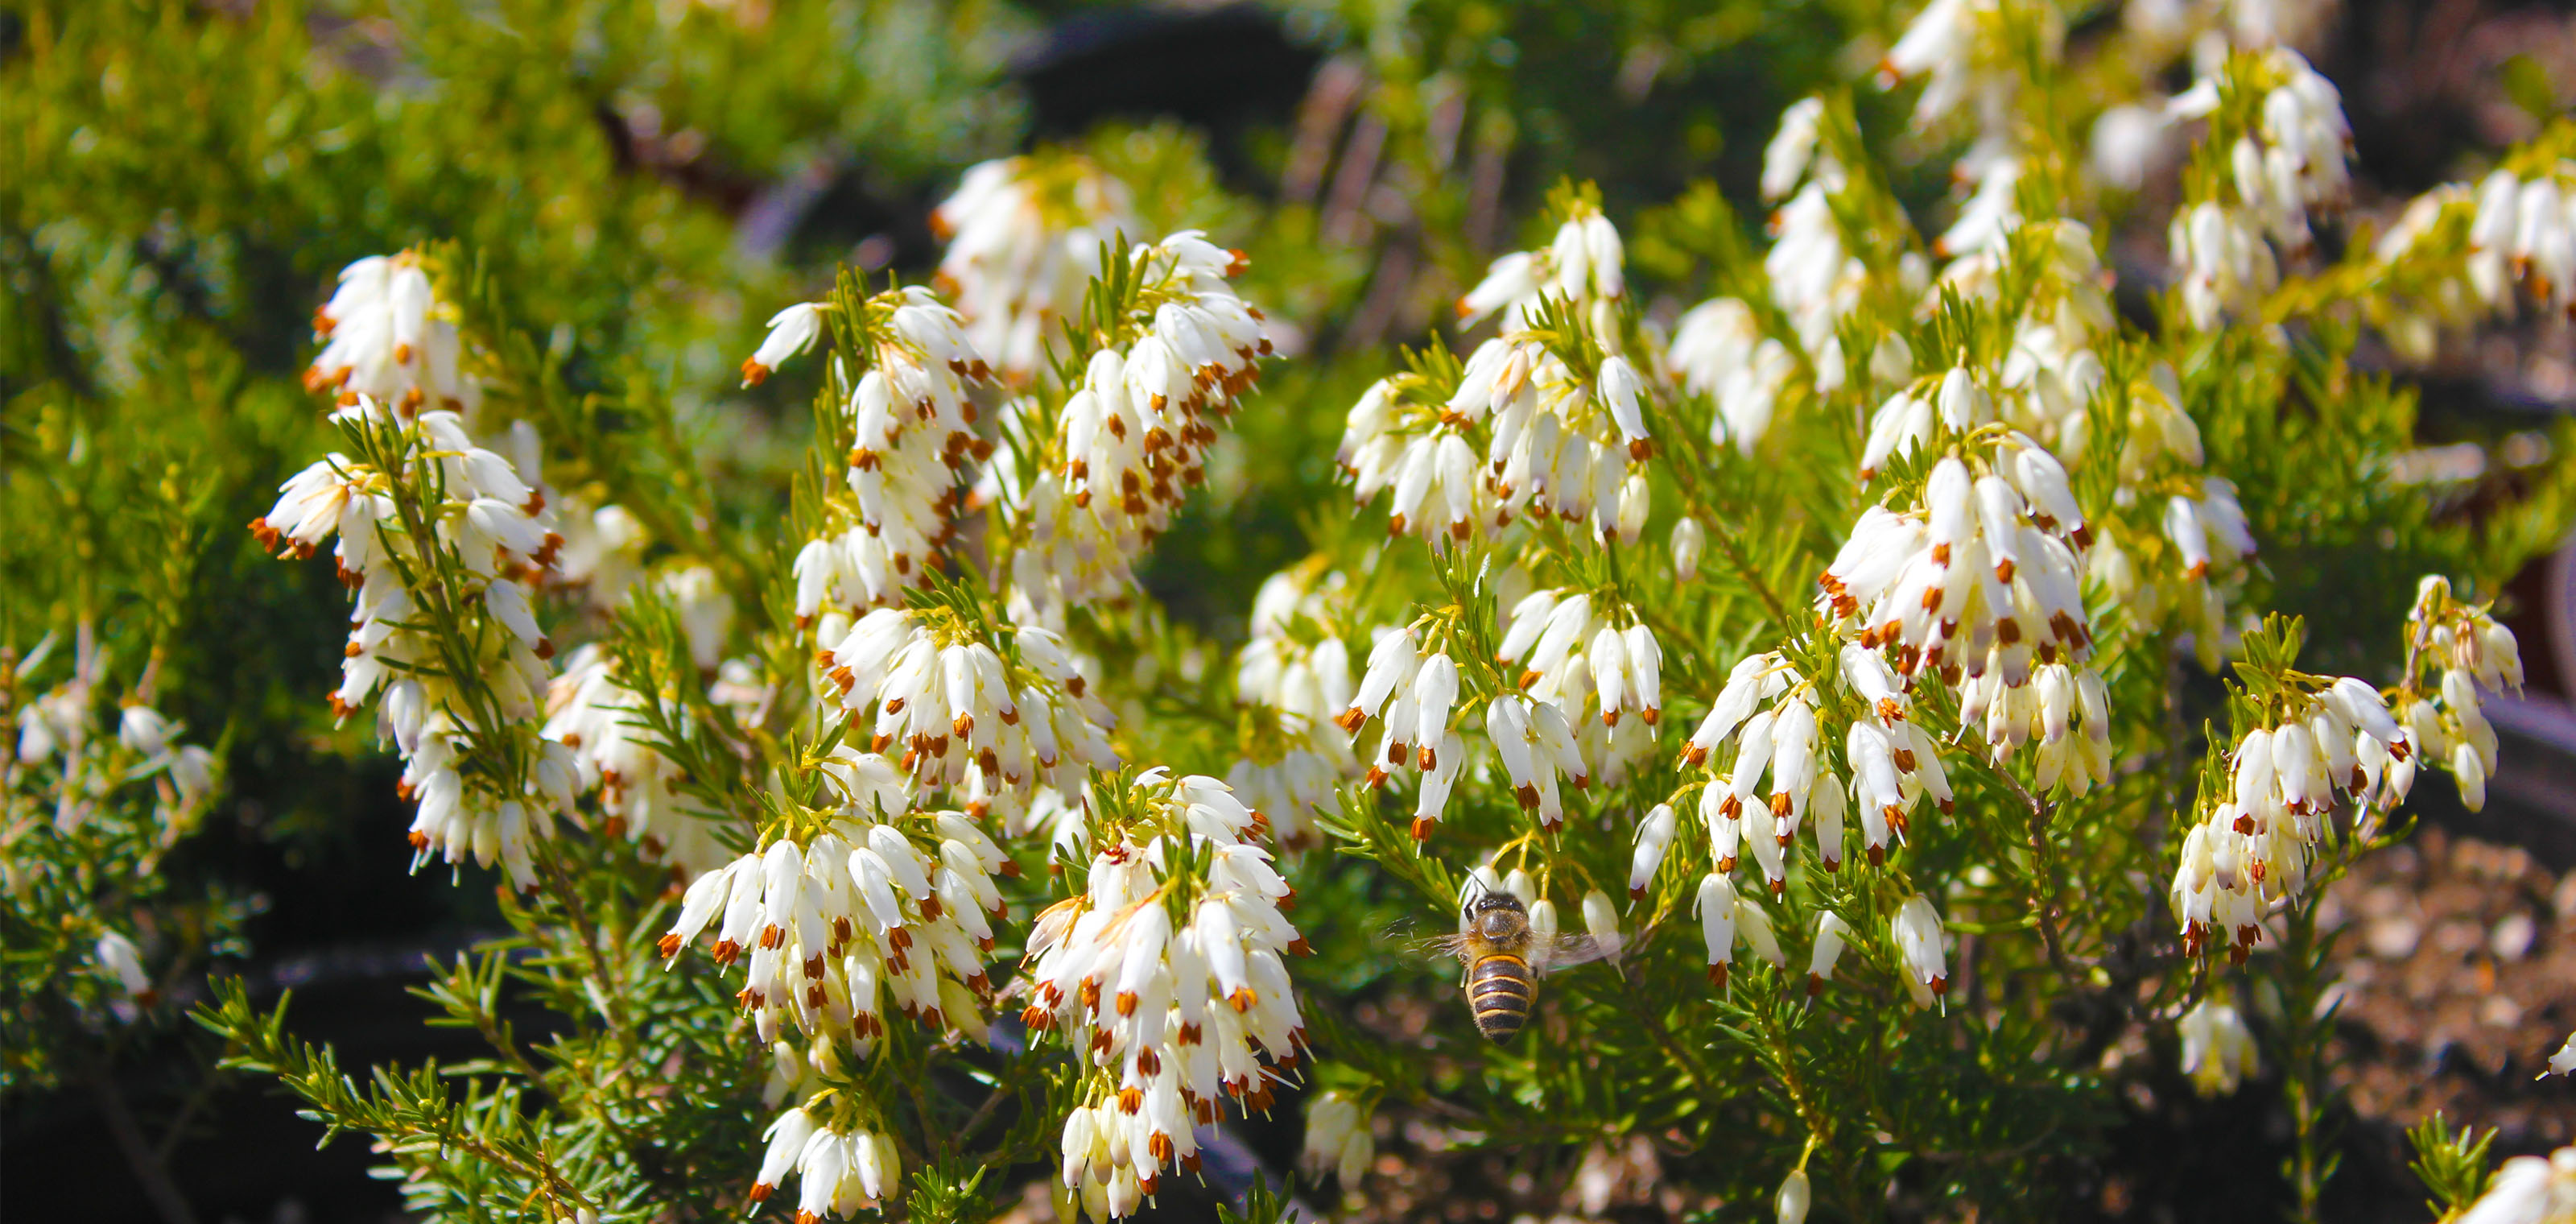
{"points": [[1453, 946], [1566, 951]]}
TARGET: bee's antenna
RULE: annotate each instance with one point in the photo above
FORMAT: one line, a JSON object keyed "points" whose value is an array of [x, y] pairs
{"points": [[1468, 895]]}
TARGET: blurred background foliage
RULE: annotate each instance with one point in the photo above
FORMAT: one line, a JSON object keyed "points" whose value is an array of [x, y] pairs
{"points": [[650, 178]]}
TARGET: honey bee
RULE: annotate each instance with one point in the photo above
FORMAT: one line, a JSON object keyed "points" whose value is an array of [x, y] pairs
{"points": [[1504, 958]]}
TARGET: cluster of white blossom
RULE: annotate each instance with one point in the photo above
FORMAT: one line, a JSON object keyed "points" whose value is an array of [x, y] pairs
{"points": [[2066, 709], [2224, 266], [994, 719], [841, 1169], [2320, 746], [1962, 50], [1985, 573], [1585, 266], [1816, 280], [1558, 443], [602, 553], [1338, 1140], [2061, 315], [2525, 228], [1412, 694], [1766, 722], [2470, 650], [391, 339], [2200, 549], [2217, 1049], [2527, 1190], [1562, 411], [1569, 649], [65, 779], [1025, 237], [59, 728], [884, 906], [913, 416], [2475, 244], [1991, 210], [1133, 437], [1169, 984], [445, 544], [640, 790], [1296, 671], [2285, 162], [1719, 351]]}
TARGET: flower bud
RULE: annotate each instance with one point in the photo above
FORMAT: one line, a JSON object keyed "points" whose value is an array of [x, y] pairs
{"points": [[1601, 921], [1831, 931], [1794, 1195], [1716, 908], [1654, 838], [1689, 539], [2471, 772]]}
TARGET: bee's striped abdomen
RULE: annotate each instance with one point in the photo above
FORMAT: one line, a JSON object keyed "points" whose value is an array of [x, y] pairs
{"points": [[1499, 989]]}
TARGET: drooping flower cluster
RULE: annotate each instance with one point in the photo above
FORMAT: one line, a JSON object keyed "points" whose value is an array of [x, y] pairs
{"points": [[2321, 744], [1719, 351], [1297, 673], [2067, 710], [992, 716], [445, 544], [839, 1172], [2224, 265], [391, 339], [1985, 574], [2458, 252], [913, 415], [1025, 236], [1413, 694], [1132, 438], [1556, 443], [2183, 564], [2217, 1049], [1166, 976], [883, 907], [1569, 649], [59, 728], [1338, 1140], [1816, 280], [2060, 316], [1586, 265], [1991, 211], [1961, 49], [2525, 229], [2467, 649], [640, 790], [2284, 138], [2528, 1190], [1766, 723], [2289, 161]]}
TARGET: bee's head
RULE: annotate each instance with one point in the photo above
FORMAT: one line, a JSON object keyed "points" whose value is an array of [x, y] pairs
{"points": [[1480, 900], [1493, 914]]}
